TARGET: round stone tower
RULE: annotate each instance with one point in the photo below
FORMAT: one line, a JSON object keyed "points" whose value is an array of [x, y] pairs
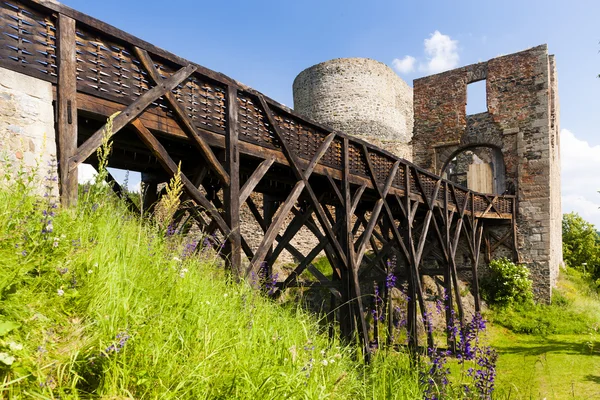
{"points": [[361, 97]]}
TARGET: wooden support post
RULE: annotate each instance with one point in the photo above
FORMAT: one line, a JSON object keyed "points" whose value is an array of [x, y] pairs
{"points": [[231, 192], [67, 109], [352, 259], [269, 209], [477, 234]]}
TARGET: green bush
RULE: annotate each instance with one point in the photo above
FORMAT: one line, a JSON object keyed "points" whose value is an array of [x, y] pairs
{"points": [[508, 283], [581, 245]]}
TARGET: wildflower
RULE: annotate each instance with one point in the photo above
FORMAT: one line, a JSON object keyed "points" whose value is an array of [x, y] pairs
{"points": [[177, 259], [325, 362], [90, 271], [60, 292], [96, 265], [63, 271], [225, 294], [390, 281]]}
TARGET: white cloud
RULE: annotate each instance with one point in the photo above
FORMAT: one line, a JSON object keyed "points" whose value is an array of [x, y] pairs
{"points": [[441, 52], [86, 173], [580, 180], [404, 65]]}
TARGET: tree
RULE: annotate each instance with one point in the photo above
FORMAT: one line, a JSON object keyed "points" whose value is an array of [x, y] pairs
{"points": [[581, 244]]}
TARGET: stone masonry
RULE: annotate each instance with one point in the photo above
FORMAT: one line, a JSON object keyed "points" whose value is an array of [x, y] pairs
{"points": [[522, 122], [361, 97], [27, 138]]}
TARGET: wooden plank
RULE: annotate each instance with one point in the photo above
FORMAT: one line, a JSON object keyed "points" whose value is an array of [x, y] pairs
{"points": [[169, 165], [66, 123], [187, 123], [129, 114], [353, 260], [335, 188], [255, 178], [357, 195], [231, 191]]}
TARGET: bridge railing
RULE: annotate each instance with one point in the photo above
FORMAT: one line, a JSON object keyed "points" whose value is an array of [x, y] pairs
{"points": [[108, 68]]}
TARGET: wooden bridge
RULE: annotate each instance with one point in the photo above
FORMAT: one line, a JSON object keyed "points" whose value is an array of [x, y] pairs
{"points": [[364, 205]]}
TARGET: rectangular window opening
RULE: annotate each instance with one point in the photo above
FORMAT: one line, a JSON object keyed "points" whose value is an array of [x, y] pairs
{"points": [[476, 97]]}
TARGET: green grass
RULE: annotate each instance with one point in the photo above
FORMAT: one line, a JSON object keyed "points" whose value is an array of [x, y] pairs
{"points": [[67, 298], [550, 352]]}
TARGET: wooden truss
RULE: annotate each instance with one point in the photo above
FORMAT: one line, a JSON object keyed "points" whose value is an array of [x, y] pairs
{"points": [[365, 207]]}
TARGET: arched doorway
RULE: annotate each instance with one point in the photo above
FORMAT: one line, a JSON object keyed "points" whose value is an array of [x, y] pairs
{"points": [[479, 168]]}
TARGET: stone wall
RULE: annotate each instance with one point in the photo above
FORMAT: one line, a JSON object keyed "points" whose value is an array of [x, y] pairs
{"points": [[27, 136], [522, 122], [361, 97]]}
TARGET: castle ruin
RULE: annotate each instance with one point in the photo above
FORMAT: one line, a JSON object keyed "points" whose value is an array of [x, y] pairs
{"points": [[513, 148]]}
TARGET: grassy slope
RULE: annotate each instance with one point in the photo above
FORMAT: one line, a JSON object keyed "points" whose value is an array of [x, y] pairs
{"points": [[565, 361], [102, 281]]}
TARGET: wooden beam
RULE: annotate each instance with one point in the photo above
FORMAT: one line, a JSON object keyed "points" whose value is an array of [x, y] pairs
{"points": [[292, 159], [184, 119], [231, 191], [255, 178], [169, 165], [128, 115], [287, 205], [67, 109]]}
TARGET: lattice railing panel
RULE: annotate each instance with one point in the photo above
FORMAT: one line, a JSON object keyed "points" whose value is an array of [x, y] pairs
{"points": [[28, 41], [382, 166], [108, 69], [253, 123]]}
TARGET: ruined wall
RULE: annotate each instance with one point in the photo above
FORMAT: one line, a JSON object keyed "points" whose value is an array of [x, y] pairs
{"points": [[361, 97], [522, 121], [27, 136]]}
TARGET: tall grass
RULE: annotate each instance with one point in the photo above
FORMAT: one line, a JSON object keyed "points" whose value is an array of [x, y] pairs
{"points": [[97, 303]]}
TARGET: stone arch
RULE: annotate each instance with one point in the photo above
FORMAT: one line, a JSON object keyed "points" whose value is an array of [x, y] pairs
{"points": [[461, 159]]}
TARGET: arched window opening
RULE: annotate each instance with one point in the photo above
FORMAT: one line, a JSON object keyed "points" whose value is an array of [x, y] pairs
{"points": [[480, 169]]}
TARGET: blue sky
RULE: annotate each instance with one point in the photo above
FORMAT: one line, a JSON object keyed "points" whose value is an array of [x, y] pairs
{"points": [[266, 44]]}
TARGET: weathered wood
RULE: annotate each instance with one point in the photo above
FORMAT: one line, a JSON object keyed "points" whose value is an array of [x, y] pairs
{"points": [[353, 262], [231, 189], [128, 115], [66, 123], [255, 178], [287, 205], [375, 214], [163, 156], [189, 126], [292, 159]]}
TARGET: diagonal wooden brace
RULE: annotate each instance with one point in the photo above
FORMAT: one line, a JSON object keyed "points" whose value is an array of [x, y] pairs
{"points": [[132, 111], [190, 128], [169, 165]]}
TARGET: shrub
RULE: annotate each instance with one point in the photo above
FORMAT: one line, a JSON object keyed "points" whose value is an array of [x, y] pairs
{"points": [[581, 245], [508, 283]]}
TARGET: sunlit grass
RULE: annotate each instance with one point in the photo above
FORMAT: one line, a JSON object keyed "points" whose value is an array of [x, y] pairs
{"points": [[107, 306]]}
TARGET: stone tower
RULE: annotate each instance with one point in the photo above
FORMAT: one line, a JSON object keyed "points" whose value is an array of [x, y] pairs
{"points": [[361, 97]]}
